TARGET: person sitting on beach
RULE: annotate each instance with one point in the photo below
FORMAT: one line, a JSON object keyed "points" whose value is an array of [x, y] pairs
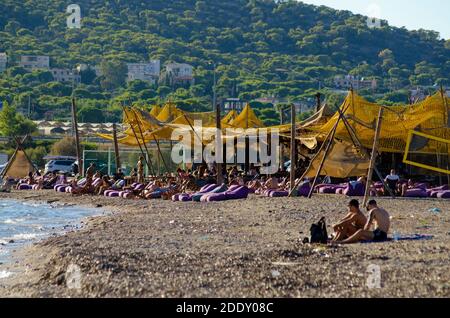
{"points": [[105, 184], [90, 171], [355, 220], [392, 181], [381, 221], [6, 185], [271, 183]]}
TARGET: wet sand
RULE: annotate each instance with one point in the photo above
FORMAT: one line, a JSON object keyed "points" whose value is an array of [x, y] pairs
{"points": [[244, 248]]}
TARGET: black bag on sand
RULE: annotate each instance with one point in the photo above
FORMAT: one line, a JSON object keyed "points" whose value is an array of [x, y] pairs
{"points": [[319, 233]]}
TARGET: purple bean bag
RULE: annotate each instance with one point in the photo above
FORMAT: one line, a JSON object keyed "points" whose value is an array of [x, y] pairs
{"points": [[202, 197], [441, 188], [278, 194], [176, 197], [416, 193], [235, 194], [24, 186], [61, 188], [444, 195], [420, 186], [127, 195], [433, 194], [185, 197], [327, 190], [356, 191], [303, 190], [35, 187], [213, 197], [114, 194]]}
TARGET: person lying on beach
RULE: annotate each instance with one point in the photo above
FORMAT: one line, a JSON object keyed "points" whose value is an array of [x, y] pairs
{"points": [[406, 186], [87, 188], [355, 220], [380, 219]]}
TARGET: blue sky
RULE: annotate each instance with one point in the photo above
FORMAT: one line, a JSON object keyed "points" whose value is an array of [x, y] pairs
{"points": [[412, 14]]}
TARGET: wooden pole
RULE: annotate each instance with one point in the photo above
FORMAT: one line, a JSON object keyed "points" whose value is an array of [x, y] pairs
{"points": [[317, 154], [160, 153], [281, 143], [447, 118], [361, 148], [374, 156], [327, 150], [136, 137], [116, 148], [293, 148], [77, 137], [219, 144], [149, 161]]}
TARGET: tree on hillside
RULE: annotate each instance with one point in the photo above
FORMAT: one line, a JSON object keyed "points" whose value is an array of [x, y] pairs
{"points": [[14, 124], [114, 73]]}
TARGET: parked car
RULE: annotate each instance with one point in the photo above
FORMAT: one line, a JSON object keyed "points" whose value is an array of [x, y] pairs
{"points": [[63, 164]]}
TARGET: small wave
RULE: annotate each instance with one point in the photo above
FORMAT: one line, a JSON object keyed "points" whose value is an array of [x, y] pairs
{"points": [[13, 221], [5, 274], [25, 236]]}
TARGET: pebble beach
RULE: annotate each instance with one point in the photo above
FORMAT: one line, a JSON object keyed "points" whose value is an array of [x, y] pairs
{"points": [[243, 248]]}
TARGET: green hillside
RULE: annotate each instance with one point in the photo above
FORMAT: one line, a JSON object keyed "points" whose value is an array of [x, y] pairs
{"points": [[262, 48]]}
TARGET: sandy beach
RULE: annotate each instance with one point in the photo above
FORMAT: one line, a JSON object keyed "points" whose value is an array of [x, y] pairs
{"points": [[244, 248]]}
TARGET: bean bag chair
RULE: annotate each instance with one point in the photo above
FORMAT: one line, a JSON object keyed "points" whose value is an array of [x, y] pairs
{"points": [[185, 197], [198, 197], [24, 186], [61, 188], [213, 197], [238, 193], [127, 195], [35, 187], [304, 189], [176, 197], [416, 193], [278, 194], [420, 186], [356, 191], [114, 194], [220, 195], [441, 188], [433, 194], [327, 190], [444, 195]]}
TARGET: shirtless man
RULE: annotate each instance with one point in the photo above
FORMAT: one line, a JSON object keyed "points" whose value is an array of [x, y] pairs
{"points": [[381, 221], [355, 220]]}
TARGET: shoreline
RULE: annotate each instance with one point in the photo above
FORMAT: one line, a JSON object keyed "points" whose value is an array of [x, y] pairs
{"points": [[243, 248]]}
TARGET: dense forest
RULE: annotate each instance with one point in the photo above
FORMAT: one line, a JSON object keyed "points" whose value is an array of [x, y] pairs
{"points": [[261, 48]]}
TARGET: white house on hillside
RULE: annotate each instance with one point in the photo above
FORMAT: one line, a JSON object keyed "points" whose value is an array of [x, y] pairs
{"points": [[65, 75], [180, 73], [32, 62], [3, 61], [144, 71]]}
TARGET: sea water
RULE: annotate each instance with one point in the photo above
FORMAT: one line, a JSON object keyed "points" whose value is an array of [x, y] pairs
{"points": [[22, 223]]}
